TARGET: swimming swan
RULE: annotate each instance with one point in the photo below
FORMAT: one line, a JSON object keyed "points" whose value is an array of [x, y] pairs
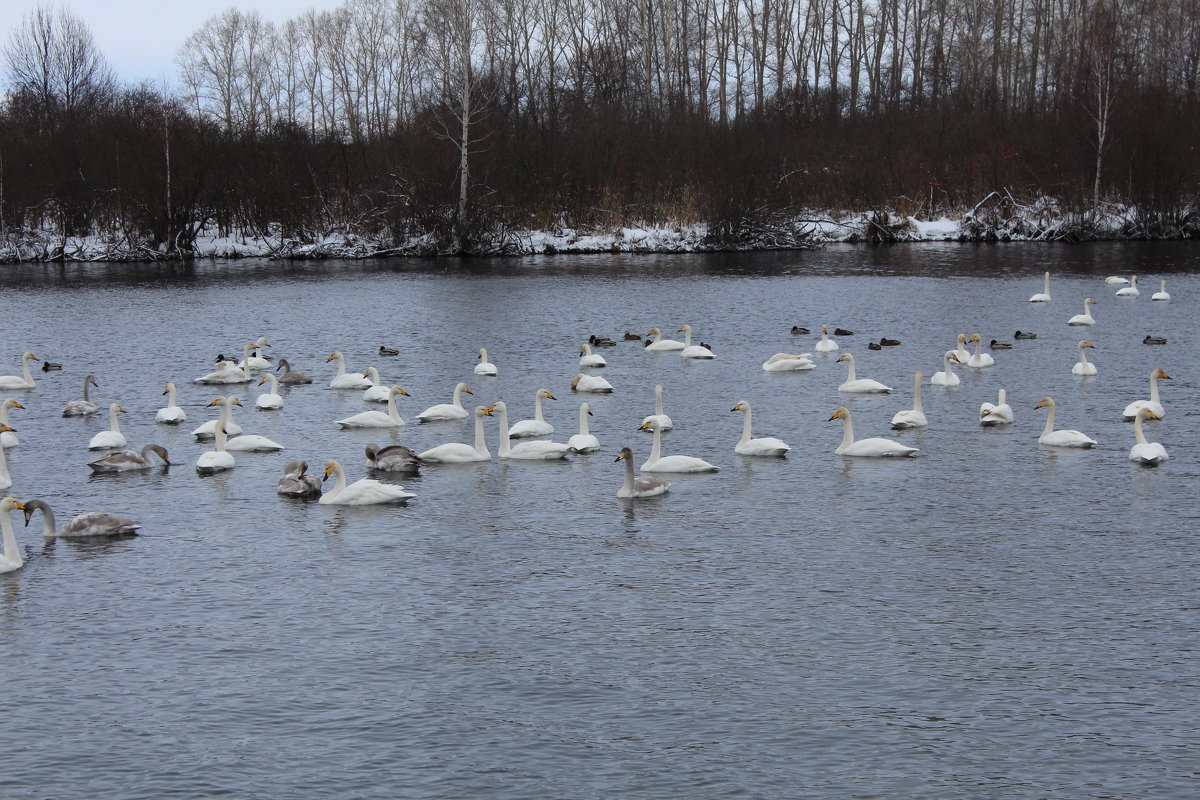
{"points": [[291, 377], [376, 392], [1083, 366], [659, 463], [252, 443], [913, 417], [228, 372], [113, 436], [589, 359], [343, 379], [296, 482], [1162, 293], [662, 420], [639, 486], [590, 383], [1060, 438], [1086, 317], [1044, 295], [1143, 451], [946, 377], [526, 451], [1116, 280], [25, 379], [255, 359], [207, 429], [661, 345], [1153, 403], [5, 478], [1131, 290], [270, 400], [84, 407], [7, 437], [11, 559], [854, 385], [217, 459], [459, 453], [452, 410], [584, 441], [536, 426], [763, 446], [89, 525], [979, 358], [874, 447], [393, 458], [129, 461], [170, 414], [788, 362], [692, 350], [363, 492], [825, 345], [998, 414], [485, 367], [377, 419]]}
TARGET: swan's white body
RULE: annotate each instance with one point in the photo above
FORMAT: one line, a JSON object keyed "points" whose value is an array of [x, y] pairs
{"points": [[343, 379], [1131, 290], [1086, 317], [913, 417], [228, 372], [129, 461], [217, 459], [1083, 366], [1116, 280], [376, 392], [998, 414], [874, 447], [364, 492], [1144, 451], [485, 367], [171, 414], [270, 400], [113, 436], [5, 478], [255, 360], [459, 453], [1044, 295], [526, 451], [11, 559], [762, 446], [252, 443], [451, 410], [657, 462], [658, 417], [692, 350], [1153, 403], [1060, 438], [88, 525], [589, 359], [584, 441], [208, 429], [1162, 293], [377, 419], [825, 345], [947, 376], [960, 349], [661, 345], [84, 407], [536, 426], [590, 383], [788, 362], [7, 437], [22, 381], [979, 358], [854, 385], [638, 486]]}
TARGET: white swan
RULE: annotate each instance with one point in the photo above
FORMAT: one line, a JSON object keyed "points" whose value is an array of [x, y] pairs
{"points": [[1131, 290], [1086, 317], [998, 414], [228, 372], [485, 367], [589, 359], [540, 450], [11, 559], [252, 443], [296, 482], [661, 345], [1153, 403], [452, 410], [1144, 451], [5, 478], [960, 349], [393, 458], [270, 400], [377, 419], [658, 417], [208, 429], [376, 392], [788, 362], [113, 436], [1060, 438], [459, 453], [1116, 280], [913, 417], [129, 461], [84, 407], [1083, 366], [171, 414], [763, 446], [22, 381], [255, 359], [657, 462], [217, 459], [584, 441], [536, 426], [825, 345], [1162, 293], [343, 379], [363, 492], [874, 447], [89, 525], [692, 350], [639, 486], [1044, 295], [590, 383], [947, 376], [854, 385], [979, 358], [7, 437]]}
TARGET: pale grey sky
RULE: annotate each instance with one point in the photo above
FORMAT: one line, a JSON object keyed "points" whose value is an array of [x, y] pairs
{"points": [[140, 37]]}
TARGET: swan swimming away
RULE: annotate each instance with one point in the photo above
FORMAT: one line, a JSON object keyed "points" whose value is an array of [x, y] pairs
{"points": [[393, 458], [377, 419], [1083, 366], [998, 414], [11, 559], [763, 446], [376, 392], [788, 362], [343, 379], [1153, 403], [913, 417], [485, 367], [291, 377], [1044, 295], [89, 525], [1131, 290], [217, 459], [207, 429], [270, 400], [84, 407], [661, 345], [979, 358], [1162, 293], [1086, 317], [854, 385], [22, 381], [1145, 452], [692, 350], [584, 441], [7, 437], [658, 417], [459, 453], [590, 383], [657, 462], [113, 436], [170, 414], [947, 376], [363, 492], [536, 426], [874, 447], [639, 486], [1060, 438], [444, 411], [526, 451], [296, 482], [589, 359], [129, 461], [825, 345]]}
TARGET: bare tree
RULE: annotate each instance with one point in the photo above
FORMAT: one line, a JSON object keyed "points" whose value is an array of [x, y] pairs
{"points": [[52, 56]]}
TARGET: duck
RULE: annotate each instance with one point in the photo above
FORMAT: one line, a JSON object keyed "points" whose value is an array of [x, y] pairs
{"points": [[228, 372], [874, 447], [842, 332], [1131, 290], [1086, 317], [947, 376], [170, 414], [291, 377], [113, 436], [584, 441], [632, 337], [388, 351], [661, 345], [912, 417], [363, 492], [1116, 280], [5, 477], [376, 392], [1060, 438], [296, 482], [129, 461], [658, 417], [1024, 335], [1044, 295], [50, 366], [657, 462], [84, 407], [1154, 339], [798, 331], [540, 450], [377, 419], [692, 350], [789, 362], [393, 458], [7, 437], [231, 428], [589, 359], [1144, 452], [886, 342], [218, 459], [641, 485], [1083, 366], [854, 385], [270, 400], [1162, 293], [1153, 403], [343, 379], [536, 426], [762, 446], [89, 525], [485, 367], [996, 344], [998, 414], [874, 346], [601, 341], [979, 359], [11, 560], [22, 381], [459, 453], [590, 383], [825, 345], [445, 411]]}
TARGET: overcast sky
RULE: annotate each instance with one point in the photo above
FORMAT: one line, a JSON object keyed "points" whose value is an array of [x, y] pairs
{"points": [[140, 37]]}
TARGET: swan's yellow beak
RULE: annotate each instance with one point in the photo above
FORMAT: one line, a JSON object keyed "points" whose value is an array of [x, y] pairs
{"points": [[20, 505], [15, 404], [237, 402], [1151, 415], [35, 358], [738, 407], [401, 391], [262, 380], [467, 389], [328, 471], [1162, 373], [488, 411], [644, 426], [121, 409], [5, 429], [331, 357], [550, 396]]}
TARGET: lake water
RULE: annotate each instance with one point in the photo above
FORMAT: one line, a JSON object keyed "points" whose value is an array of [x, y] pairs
{"points": [[992, 618]]}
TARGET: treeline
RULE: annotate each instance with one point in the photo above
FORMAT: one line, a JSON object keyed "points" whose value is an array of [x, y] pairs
{"points": [[463, 119]]}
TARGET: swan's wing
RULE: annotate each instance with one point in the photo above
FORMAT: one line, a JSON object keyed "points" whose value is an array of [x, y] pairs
{"points": [[98, 523]]}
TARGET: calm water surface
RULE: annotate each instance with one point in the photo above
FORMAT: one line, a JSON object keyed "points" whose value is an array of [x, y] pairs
{"points": [[991, 619]]}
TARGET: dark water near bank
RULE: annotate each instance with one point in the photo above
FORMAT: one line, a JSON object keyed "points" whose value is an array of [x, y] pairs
{"points": [[990, 619]]}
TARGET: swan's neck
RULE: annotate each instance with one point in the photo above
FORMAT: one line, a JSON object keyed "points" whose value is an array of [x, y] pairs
{"points": [[25, 371], [274, 382], [505, 446], [480, 443], [687, 337], [1154, 387], [656, 448], [1082, 355], [11, 550], [392, 412], [170, 394], [219, 438], [947, 365], [1137, 430], [537, 407], [49, 526], [917, 394], [1049, 429], [627, 486], [373, 376], [1087, 309], [457, 400], [745, 426], [583, 422], [4, 466], [850, 365], [979, 348], [114, 424], [1046, 283], [226, 412], [847, 434], [1162, 286], [88, 399], [658, 406], [246, 350], [341, 365], [4, 413], [1003, 398]]}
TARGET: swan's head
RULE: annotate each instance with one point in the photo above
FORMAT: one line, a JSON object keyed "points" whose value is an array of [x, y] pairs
{"points": [[331, 467], [167, 389], [962, 339], [483, 411], [584, 350], [824, 329], [974, 338], [683, 328], [117, 408], [261, 381], [497, 406], [1159, 373], [575, 381], [262, 342], [649, 425], [31, 357], [920, 374], [92, 380], [1086, 343], [1089, 302], [333, 355], [1146, 413], [953, 357], [586, 408], [234, 401], [462, 387], [844, 357], [545, 394], [11, 403], [12, 504], [296, 468], [397, 390], [841, 413], [654, 332], [482, 354], [216, 402], [283, 364], [741, 406], [625, 453], [1045, 402]]}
